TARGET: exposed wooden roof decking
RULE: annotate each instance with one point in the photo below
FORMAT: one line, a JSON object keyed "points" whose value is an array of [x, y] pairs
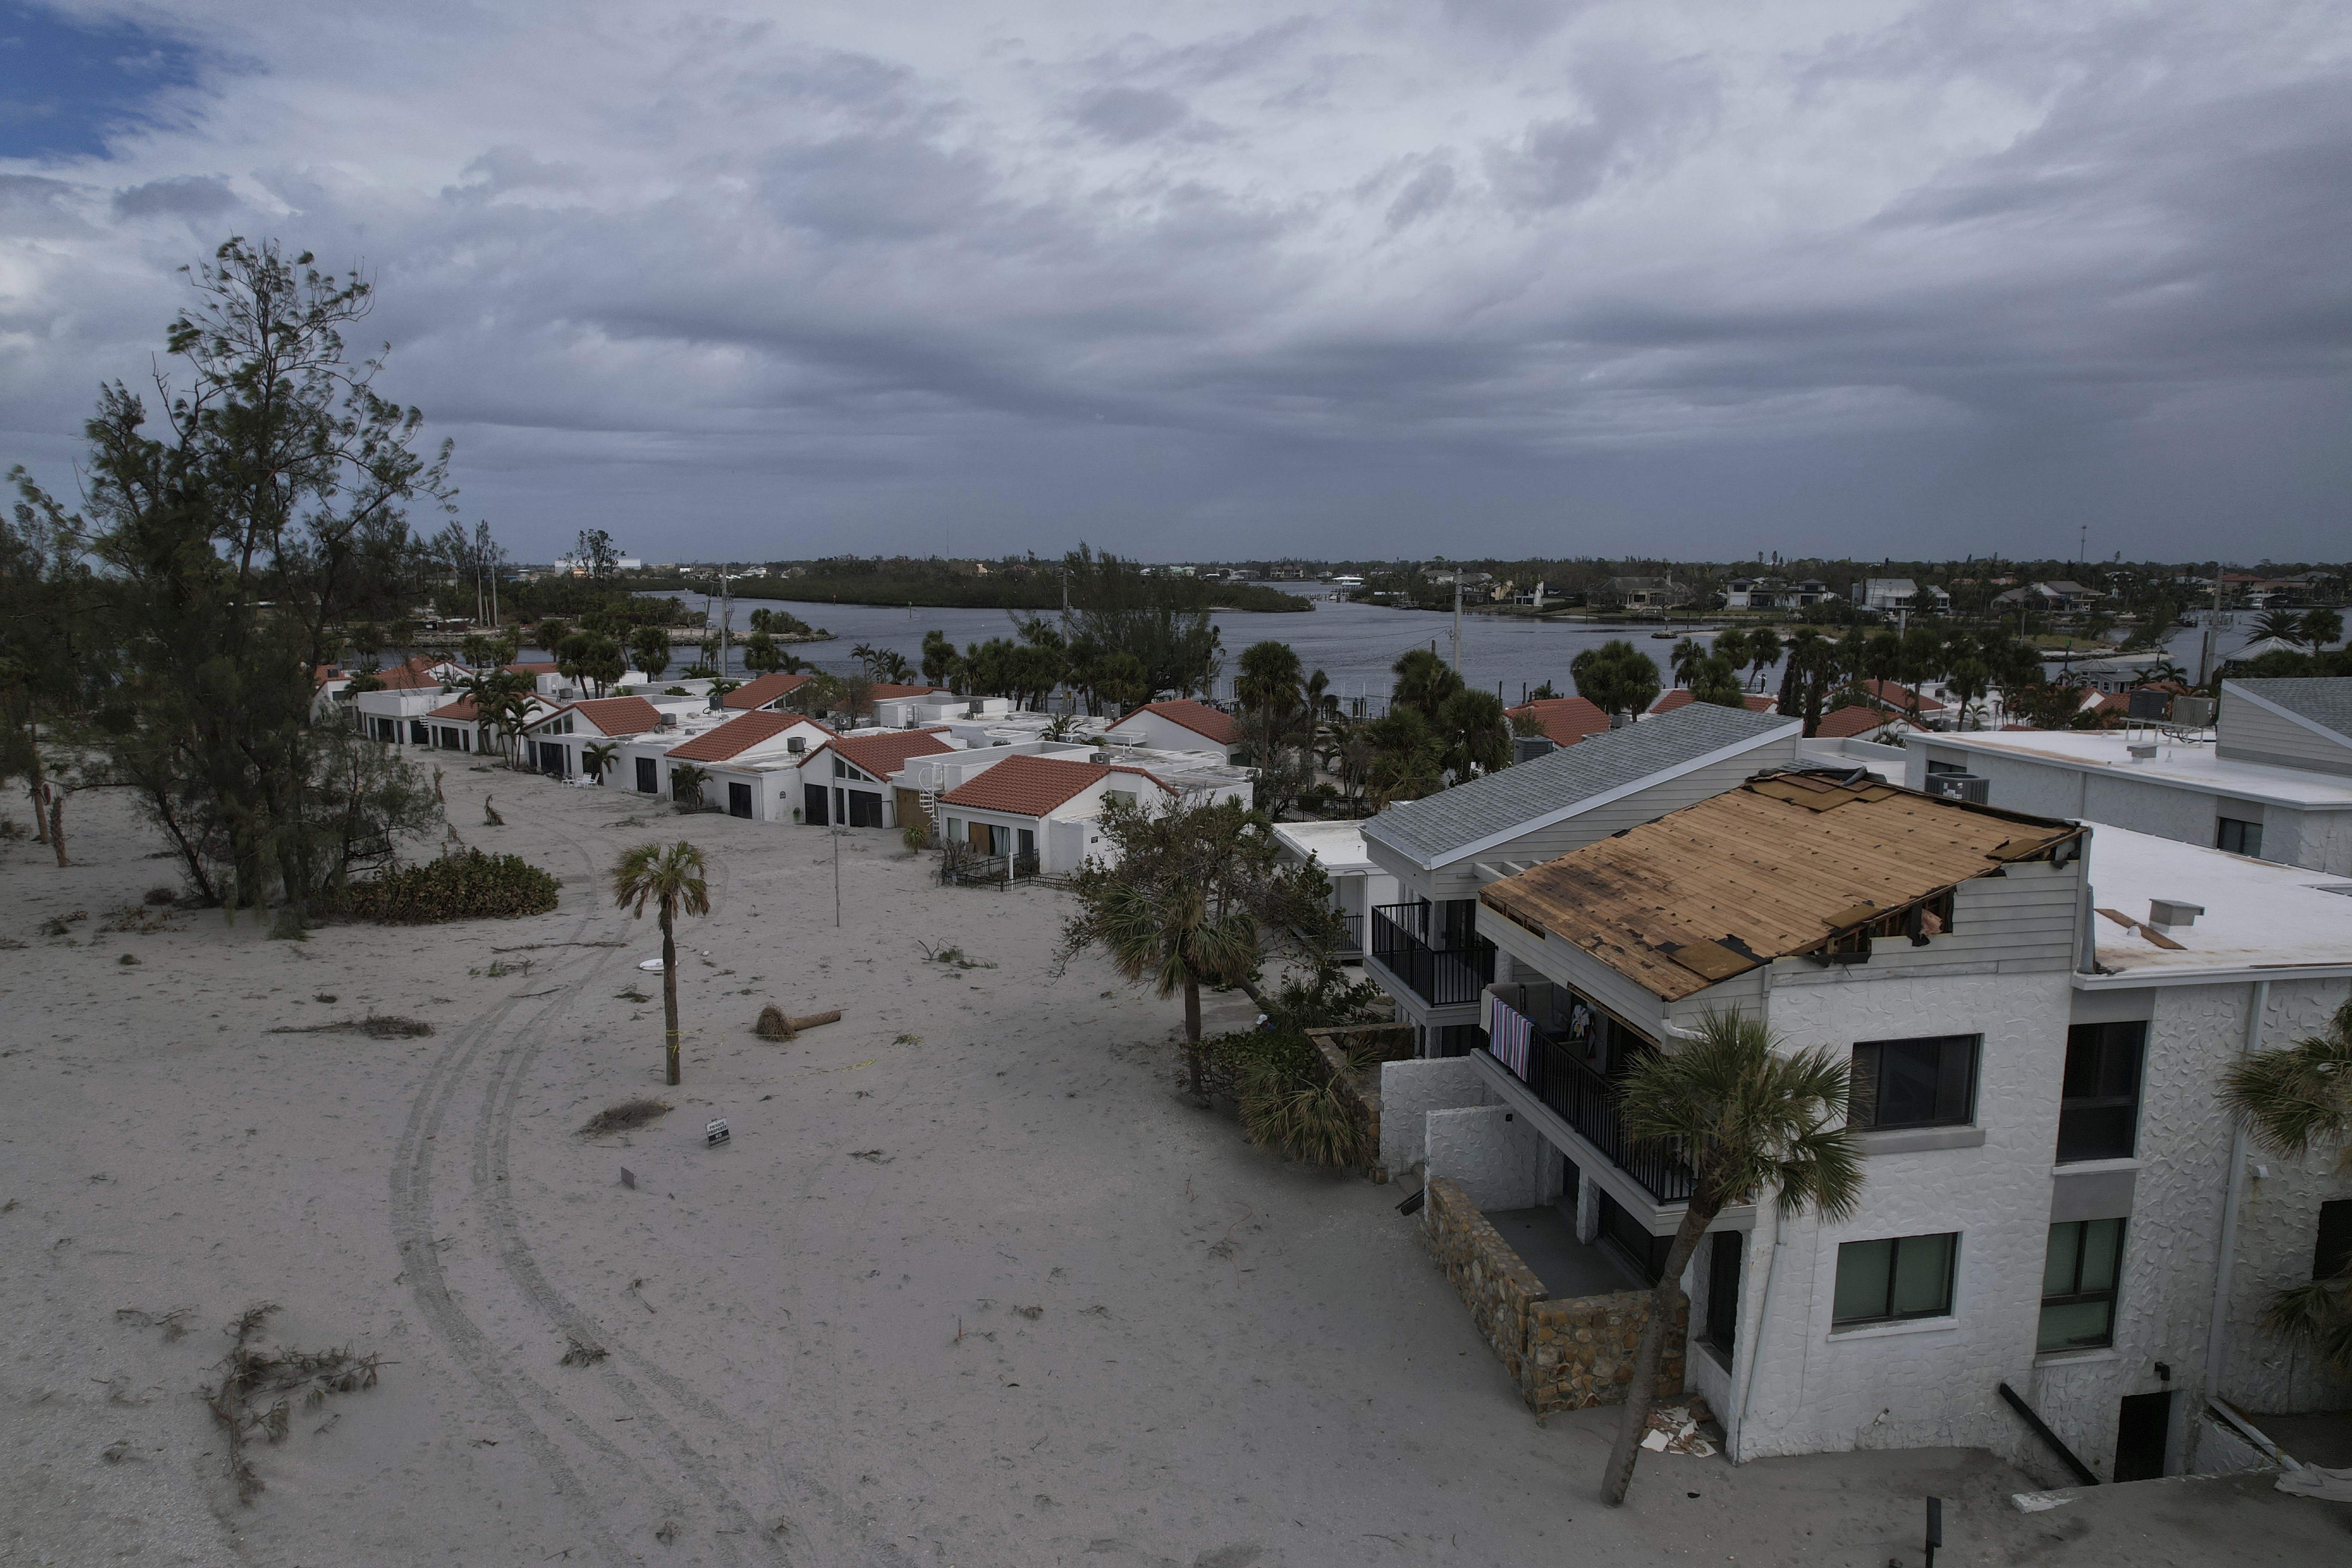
{"points": [[1772, 869]]}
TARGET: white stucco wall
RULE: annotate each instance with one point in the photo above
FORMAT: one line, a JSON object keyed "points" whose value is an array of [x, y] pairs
{"points": [[1409, 1090], [1494, 1154]]}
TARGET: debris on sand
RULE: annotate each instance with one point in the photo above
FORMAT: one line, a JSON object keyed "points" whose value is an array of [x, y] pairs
{"points": [[249, 1376], [775, 1024], [625, 1117], [375, 1026], [583, 1353]]}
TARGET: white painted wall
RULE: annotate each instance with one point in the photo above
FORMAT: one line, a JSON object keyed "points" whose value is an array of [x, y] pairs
{"points": [[1164, 734], [1409, 1090], [1496, 1154]]}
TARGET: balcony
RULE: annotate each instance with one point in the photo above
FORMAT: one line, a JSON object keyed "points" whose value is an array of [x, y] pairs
{"points": [[1441, 974], [1586, 1101]]}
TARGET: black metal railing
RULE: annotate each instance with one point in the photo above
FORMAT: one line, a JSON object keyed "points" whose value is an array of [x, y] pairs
{"points": [[1355, 924], [1441, 975], [1586, 1101]]}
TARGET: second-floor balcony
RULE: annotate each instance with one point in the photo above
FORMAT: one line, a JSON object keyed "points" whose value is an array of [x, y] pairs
{"points": [[1587, 1100], [1444, 970]]}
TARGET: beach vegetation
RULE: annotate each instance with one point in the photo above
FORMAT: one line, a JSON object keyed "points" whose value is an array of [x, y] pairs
{"points": [[671, 878]]}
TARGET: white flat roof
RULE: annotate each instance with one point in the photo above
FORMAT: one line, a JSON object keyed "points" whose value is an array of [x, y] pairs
{"points": [[2260, 921], [1339, 845], [2181, 764]]}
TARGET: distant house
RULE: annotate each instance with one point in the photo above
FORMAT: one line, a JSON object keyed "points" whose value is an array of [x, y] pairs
{"points": [[1755, 593], [1889, 595], [1044, 809], [1565, 721], [1179, 725], [897, 706], [554, 744], [847, 779], [753, 761], [1641, 593], [395, 711], [1862, 722], [767, 692], [2054, 596], [1358, 885], [1680, 696]]}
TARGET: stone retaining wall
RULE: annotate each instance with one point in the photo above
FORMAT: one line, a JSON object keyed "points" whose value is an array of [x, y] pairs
{"points": [[1373, 1044], [1561, 1354]]}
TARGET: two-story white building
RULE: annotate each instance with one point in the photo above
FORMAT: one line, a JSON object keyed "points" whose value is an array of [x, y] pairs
{"points": [[2060, 1228]]}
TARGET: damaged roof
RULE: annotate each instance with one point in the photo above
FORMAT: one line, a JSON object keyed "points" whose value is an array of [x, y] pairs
{"points": [[1772, 869]]}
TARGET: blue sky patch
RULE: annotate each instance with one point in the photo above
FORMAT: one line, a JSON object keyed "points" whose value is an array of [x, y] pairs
{"points": [[64, 86]]}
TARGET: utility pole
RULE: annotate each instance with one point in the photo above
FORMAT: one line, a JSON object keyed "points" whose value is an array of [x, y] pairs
{"points": [[1457, 621]]}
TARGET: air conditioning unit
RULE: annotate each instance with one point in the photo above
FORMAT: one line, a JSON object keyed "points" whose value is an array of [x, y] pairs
{"points": [[2148, 707], [2192, 712], [668, 721], [796, 744], [1961, 787], [1528, 748], [1097, 756]]}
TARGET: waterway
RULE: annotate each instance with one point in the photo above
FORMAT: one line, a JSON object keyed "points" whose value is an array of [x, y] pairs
{"points": [[1357, 645]]}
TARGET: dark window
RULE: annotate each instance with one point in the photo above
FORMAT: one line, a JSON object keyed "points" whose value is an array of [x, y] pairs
{"points": [[1926, 1082], [1723, 1292], [864, 808], [1896, 1278], [416, 731], [2239, 837], [648, 776], [2098, 1108], [2333, 1256], [2078, 1284], [1647, 1252], [739, 799], [1935, 767]]}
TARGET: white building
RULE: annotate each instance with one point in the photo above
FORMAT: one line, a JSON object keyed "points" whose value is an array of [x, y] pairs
{"points": [[1428, 949], [1047, 810], [753, 761], [1179, 724], [847, 779], [1359, 883], [2272, 780], [1889, 594], [2056, 1210], [557, 742]]}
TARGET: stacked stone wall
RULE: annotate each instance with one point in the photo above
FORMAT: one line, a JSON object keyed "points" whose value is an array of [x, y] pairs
{"points": [[1563, 1354], [1371, 1045]]}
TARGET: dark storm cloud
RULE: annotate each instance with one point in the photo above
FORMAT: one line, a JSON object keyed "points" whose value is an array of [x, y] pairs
{"points": [[1588, 275]]}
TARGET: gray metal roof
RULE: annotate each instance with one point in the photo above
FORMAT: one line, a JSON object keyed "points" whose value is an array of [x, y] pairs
{"points": [[1436, 827], [2323, 699]]}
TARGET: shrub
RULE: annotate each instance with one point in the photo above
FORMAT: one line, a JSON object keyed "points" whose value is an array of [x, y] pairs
{"points": [[468, 887], [1287, 1099]]}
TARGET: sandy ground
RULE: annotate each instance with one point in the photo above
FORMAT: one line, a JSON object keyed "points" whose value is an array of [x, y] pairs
{"points": [[972, 1284]]}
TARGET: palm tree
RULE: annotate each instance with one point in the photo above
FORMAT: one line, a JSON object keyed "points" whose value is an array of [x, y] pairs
{"points": [[1746, 1115], [2292, 1098], [2321, 628], [686, 782], [671, 880], [1731, 647], [650, 646], [598, 757], [1178, 906], [2287, 625], [1763, 646], [1689, 654], [1423, 682]]}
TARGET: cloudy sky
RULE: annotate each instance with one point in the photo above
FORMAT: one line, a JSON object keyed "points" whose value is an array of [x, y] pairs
{"points": [[1452, 277]]}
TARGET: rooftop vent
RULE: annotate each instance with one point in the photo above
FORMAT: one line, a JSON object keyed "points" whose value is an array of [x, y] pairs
{"points": [[1528, 748], [2142, 751], [2172, 912], [668, 721], [1098, 756], [1619, 721], [796, 744]]}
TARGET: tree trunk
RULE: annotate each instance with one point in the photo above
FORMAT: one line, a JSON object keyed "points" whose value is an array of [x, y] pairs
{"points": [[38, 790], [57, 823], [669, 997], [1641, 1393], [1193, 1036]]}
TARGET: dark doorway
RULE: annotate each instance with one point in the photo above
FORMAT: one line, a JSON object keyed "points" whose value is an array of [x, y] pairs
{"points": [[739, 800], [2142, 1432], [648, 776], [864, 808], [812, 804], [1723, 1292], [553, 761]]}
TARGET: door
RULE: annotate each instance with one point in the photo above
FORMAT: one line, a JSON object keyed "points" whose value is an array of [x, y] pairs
{"points": [[864, 808], [553, 761], [648, 776], [1723, 1292], [739, 799], [2143, 1432], [813, 799]]}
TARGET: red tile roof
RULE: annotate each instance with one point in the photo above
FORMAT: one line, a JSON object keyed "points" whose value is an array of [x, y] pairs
{"points": [[1197, 717], [613, 715], [545, 668], [766, 689], [1680, 696], [1029, 785], [412, 676], [1859, 720], [1898, 696], [883, 751], [460, 712], [1565, 720], [739, 735]]}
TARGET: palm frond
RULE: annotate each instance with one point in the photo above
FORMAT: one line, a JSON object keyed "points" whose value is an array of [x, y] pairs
{"points": [[2293, 1096]]}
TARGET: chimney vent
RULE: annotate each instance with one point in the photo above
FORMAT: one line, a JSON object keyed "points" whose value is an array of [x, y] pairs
{"points": [[2173, 912]]}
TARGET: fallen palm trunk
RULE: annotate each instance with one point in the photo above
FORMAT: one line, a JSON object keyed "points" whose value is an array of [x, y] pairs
{"points": [[774, 1024]]}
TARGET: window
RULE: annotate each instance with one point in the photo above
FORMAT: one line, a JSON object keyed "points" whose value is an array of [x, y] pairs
{"points": [[1647, 1252], [1124, 796], [2098, 1105], [1897, 1277], [1723, 1292], [2239, 837], [1935, 766], [2333, 1255], [1926, 1083], [2078, 1284]]}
